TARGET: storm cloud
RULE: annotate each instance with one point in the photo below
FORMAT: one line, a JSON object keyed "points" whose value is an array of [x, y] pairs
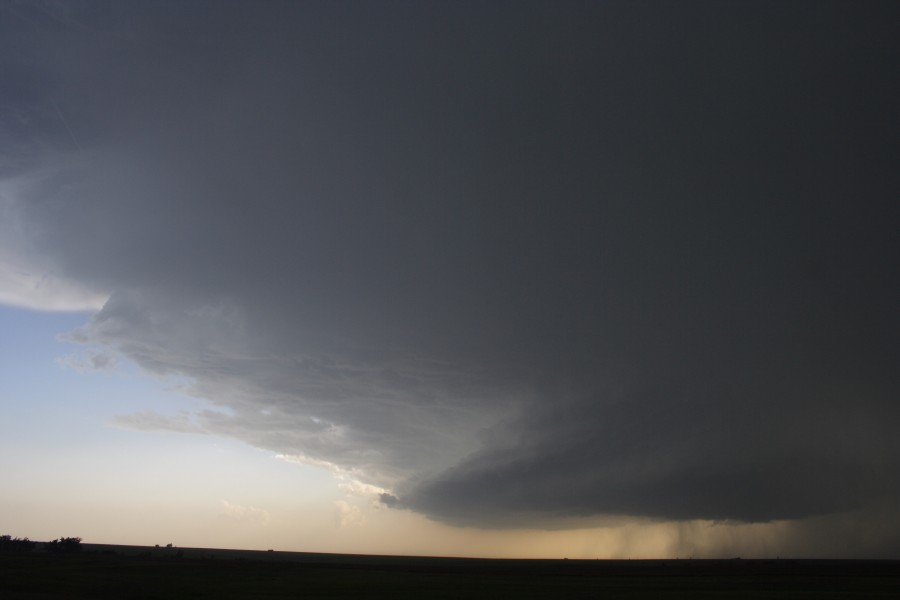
{"points": [[513, 263]]}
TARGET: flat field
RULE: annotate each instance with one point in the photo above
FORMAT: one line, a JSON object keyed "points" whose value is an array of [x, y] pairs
{"points": [[107, 572]]}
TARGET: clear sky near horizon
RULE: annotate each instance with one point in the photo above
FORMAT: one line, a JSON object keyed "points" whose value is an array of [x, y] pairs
{"points": [[512, 278]]}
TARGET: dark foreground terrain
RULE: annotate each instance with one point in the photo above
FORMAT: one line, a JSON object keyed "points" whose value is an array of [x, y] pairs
{"points": [[101, 572]]}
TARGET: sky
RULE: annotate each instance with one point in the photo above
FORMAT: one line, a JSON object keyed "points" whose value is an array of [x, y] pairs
{"points": [[525, 279]]}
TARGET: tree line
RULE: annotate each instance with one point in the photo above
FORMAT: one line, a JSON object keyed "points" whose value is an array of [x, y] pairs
{"points": [[63, 545]]}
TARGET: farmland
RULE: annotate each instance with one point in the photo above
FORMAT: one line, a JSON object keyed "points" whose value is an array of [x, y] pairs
{"points": [[101, 572]]}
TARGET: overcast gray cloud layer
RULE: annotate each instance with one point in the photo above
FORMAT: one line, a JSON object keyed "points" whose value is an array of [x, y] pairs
{"points": [[512, 262]]}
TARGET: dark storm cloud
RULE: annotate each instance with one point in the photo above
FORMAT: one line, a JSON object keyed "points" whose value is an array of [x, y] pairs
{"points": [[514, 263], [674, 454]]}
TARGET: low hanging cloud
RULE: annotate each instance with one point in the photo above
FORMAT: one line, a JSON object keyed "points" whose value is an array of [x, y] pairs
{"points": [[540, 267], [671, 458]]}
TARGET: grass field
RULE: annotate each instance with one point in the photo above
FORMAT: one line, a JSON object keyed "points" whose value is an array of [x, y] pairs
{"points": [[107, 572]]}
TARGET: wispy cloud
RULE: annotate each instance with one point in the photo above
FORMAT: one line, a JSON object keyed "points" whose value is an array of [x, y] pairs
{"points": [[153, 421], [244, 514], [89, 361]]}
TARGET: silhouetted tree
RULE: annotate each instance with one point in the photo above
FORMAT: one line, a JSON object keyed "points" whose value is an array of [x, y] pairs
{"points": [[67, 545], [11, 544]]}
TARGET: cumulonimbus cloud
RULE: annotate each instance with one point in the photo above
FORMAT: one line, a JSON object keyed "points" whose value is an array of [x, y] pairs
{"points": [[505, 284]]}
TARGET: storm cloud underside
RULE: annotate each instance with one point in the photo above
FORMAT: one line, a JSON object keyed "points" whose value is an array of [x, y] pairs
{"points": [[512, 263]]}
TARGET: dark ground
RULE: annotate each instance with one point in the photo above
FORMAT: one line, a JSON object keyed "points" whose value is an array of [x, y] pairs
{"points": [[107, 572]]}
